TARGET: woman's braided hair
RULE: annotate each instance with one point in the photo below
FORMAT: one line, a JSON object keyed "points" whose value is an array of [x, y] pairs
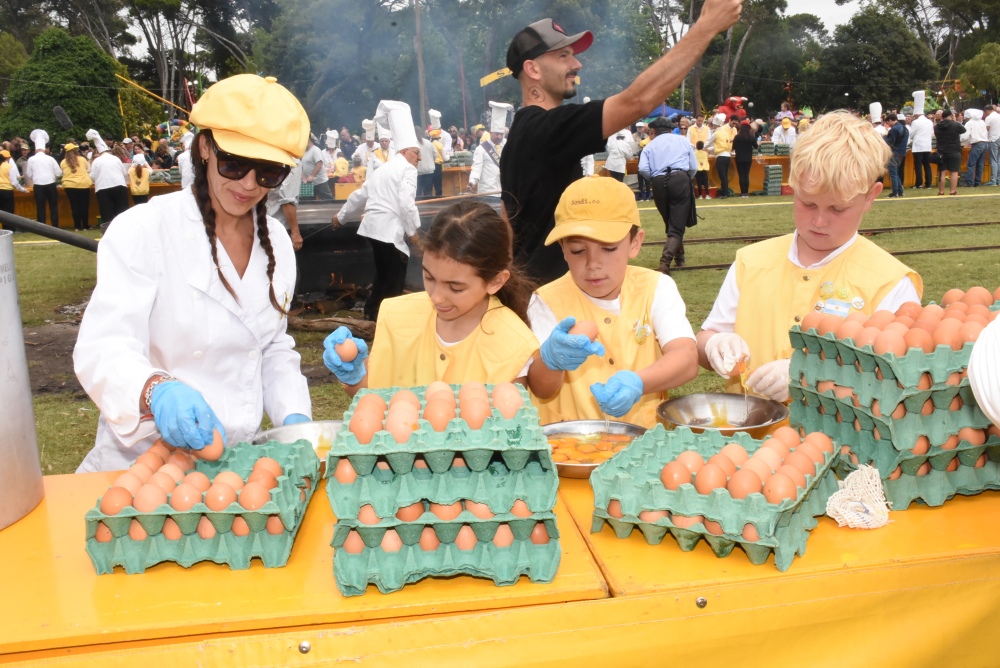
{"points": [[204, 200]]}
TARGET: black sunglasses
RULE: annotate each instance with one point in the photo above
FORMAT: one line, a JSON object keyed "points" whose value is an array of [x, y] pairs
{"points": [[234, 167]]}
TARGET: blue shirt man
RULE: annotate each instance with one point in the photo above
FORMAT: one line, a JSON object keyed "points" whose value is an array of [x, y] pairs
{"points": [[670, 163], [667, 151], [896, 138]]}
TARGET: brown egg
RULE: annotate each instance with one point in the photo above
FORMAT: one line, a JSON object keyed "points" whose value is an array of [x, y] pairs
{"points": [[366, 515], [231, 478], [919, 338], [213, 451], [504, 537], [438, 386], [849, 329], [446, 511], [274, 525], [149, 498], [173, 471], [691, 460], [842, 392], [163, 481], [254, 495], [952, 296], [973, 436], [353, 544], [181, 460], [410, 513], [820, 440], [466, 539], [735, 452], [507, 399], [951, 443], [796, 476], [970, 332], [198, 480], [956, 312], [776, 444], [866, 337], [615, 509], [926, 324], [811, 451], [405, 396], [184, 497], [769, 457], [911, 310], [743, 483], [682, 522], [270, 465], [520, 509], [932, 311], [136, 532], [206, 530], [674, 475], [980, 319], [904, 320], [459, 462], [475, 412], [948, 333], [364, 423], [150, 459], [952, 465], [240, 527], [585, 328], [811, 321], [880, 319], [344, 473], [921, 445], [264, 477], [924, 469], [374, 400], [802, 462], [473, 390], [779, 487], [981, 462], [896, 473], [829, 323], [714, 528], [439, 412], [429, 540], [889, 342], [539, 535], [220, 496], [978, 295], [129, 481], [114, 500], [710, 477], [898, 327], [759, 467], [750, 533], [652, 516], [788, 436], [825, 386], [170, 530], [724, 463], [401, 426], [103, 533], [347, 351], [480, 510]]}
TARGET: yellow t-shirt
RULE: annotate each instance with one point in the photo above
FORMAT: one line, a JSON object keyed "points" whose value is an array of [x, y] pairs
{"points": [[407, 350], [702, 157], [773, 291], [724, 140], [360, 173], [5, 183], [78, 179], [341, 167], [139, 185], [696, 134], [628, 345]]}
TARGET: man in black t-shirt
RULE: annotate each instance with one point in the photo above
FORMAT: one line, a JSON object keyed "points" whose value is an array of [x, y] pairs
{"points": [[949, 148], [547, 139]]}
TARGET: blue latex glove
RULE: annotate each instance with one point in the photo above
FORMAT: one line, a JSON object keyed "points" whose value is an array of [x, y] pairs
{"points": [[349, 373], [182, 415], [563, 351], [295, 418], [617, 396]]}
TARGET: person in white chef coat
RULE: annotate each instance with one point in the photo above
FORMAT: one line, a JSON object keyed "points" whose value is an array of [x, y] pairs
{"points": [[43, 172], [186, 330], [485, 174], [984, 373], [110, 177], [388, 199]]}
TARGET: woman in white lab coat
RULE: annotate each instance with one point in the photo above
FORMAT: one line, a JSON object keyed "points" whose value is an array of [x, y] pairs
{"points": [[185, 333]]}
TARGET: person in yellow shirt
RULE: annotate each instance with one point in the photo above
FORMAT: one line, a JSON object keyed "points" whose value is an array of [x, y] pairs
{"points": [[823, 265], [645, 345], [469, 323], [138, 178], [77, 183], [701, 176], [341, 168], [721, 142], [699, 131], [358, 170], [438, 161]]}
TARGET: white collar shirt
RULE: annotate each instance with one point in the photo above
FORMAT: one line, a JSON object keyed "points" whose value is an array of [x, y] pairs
{"points": [[107, 171], [921, 134], [993, 127], [388, 198], [42, 169]]}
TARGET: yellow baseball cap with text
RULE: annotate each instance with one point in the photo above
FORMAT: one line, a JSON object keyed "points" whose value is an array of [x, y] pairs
{"points": [[596, 207]]}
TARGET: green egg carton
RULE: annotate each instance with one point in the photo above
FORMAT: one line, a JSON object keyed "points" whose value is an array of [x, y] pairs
{"points": [[288, 501], [907, 369], [517, 440], [392, 571], [497, 486], [939, 485], [884, 453], [633, 478]]}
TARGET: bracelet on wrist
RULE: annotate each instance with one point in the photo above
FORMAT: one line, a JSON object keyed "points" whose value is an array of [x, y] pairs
{"points": [[148, 395]]}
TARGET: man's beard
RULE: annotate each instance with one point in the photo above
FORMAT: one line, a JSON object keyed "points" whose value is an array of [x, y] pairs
{"points": [[569, 93]]}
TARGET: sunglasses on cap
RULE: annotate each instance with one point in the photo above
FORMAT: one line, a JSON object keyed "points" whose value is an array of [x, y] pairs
{"points": [[234, 167]]}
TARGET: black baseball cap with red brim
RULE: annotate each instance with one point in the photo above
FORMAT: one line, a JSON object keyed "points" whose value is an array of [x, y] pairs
{"points": [[541, 37]]}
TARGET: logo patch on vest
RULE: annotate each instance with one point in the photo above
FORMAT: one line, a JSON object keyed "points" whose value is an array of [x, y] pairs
{"points": [[642, 330]]}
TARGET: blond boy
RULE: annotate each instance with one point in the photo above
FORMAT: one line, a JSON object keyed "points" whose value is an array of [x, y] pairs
{"points": [[645, 345], [823, 265]]}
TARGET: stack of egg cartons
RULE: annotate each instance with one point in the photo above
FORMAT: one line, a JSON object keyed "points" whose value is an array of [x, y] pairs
{"points": [[782, 149], [767, 148], [912, 416], [466, 492], [772, 180]]}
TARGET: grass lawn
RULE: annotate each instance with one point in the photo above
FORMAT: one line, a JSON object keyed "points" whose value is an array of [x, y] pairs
{"points": [[54, 275]]}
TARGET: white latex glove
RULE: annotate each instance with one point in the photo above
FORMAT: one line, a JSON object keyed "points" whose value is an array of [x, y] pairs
{"points": [[984, 371], [771, 380], [724, 350]]}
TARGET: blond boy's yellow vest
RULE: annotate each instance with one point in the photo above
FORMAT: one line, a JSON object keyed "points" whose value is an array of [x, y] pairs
{"points": [[624, 349], [723, 139], [774, 292], [696, 134], [5, 183], [407, 352]]}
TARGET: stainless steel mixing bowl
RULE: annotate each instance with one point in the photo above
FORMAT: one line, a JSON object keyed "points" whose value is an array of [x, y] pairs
{"points": [[754, 415], [583, 427]]}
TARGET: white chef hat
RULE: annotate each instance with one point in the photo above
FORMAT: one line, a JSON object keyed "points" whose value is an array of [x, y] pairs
{"points": [[331, 138], [397, 116], [498, 115], [976, 114], [40, 137], [369, 126], [639, 124], [918, 102], [586, 100], [187, 139], [875, 111], [95, 136], [720, 119], [435, 117], [984, 371], [139, 159]]}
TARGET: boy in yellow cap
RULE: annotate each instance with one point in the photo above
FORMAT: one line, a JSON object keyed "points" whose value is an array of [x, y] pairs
{"points": [[645, 344], [823, 266]]}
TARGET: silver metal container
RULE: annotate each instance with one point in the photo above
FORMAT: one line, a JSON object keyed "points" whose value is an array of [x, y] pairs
{"points": [[710, 410], [318, 432], [21, 486], [586, 427]]}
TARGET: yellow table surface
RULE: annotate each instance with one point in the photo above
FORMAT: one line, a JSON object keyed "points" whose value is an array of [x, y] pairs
{"points": [[53, 598]]}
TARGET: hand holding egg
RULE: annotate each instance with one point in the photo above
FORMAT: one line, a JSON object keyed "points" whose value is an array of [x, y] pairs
{"points": [[566, 351], [345, 355], [183, 416]]}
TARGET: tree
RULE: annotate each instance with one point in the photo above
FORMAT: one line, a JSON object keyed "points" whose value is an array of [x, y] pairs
{"points": [[12, 56], [873, 57], [983, 71], [65, 71]]}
